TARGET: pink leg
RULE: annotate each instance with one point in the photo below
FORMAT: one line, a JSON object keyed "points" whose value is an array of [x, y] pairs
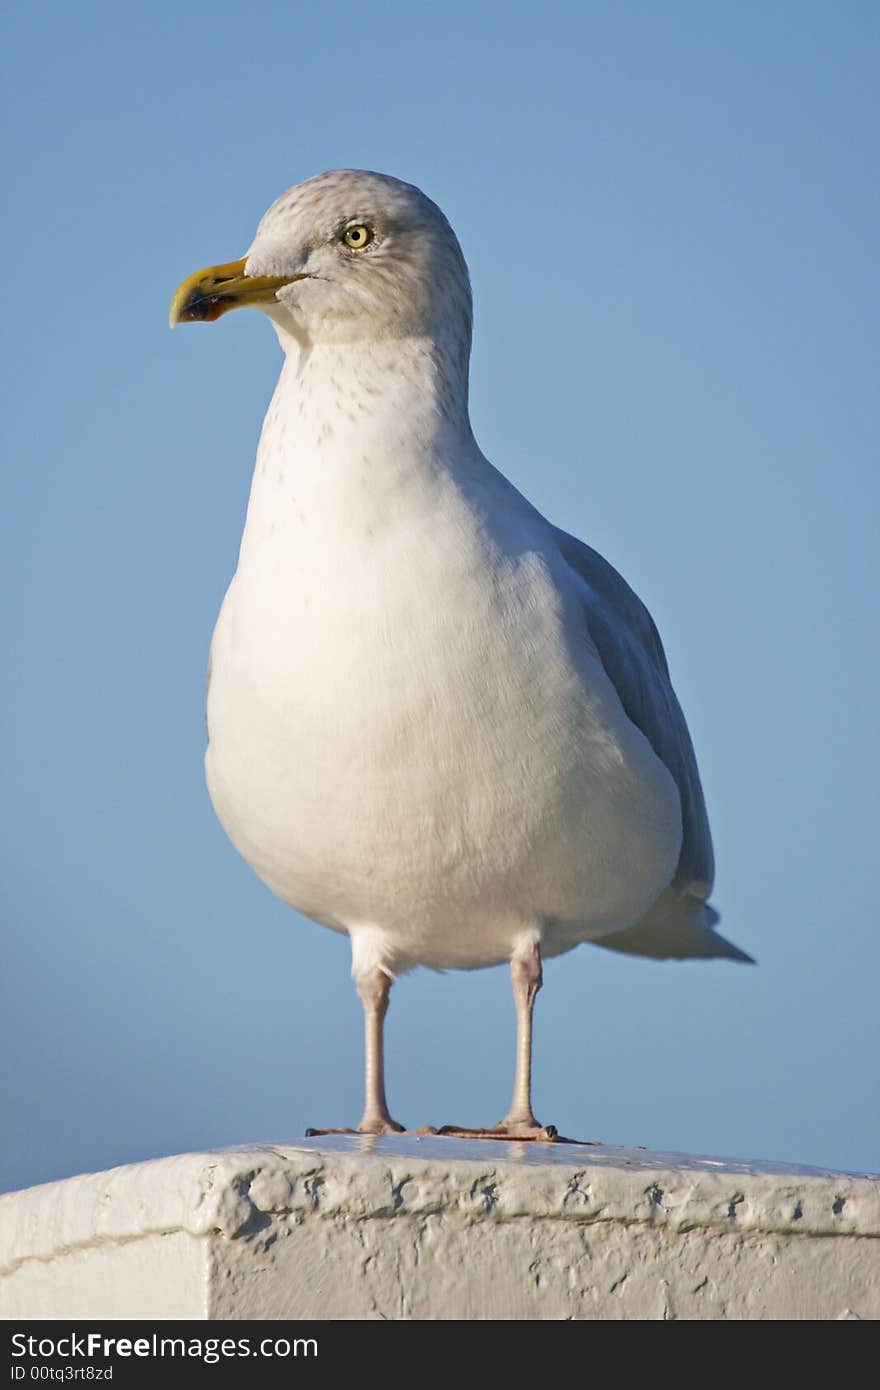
{"points": [[519, 1122], [374, 987], [526, 977]]}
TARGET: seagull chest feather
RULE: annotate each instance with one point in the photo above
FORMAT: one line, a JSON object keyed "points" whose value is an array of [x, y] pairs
{"points": [[402, 730]]}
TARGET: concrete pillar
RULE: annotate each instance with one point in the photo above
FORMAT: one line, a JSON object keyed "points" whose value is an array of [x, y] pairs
{"points": [[426, 1227]]}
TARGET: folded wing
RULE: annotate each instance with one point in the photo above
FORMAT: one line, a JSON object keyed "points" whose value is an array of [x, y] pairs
{"points": [[681, 922]]}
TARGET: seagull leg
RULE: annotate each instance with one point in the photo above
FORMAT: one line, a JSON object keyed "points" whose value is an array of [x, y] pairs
{"points": [[519, 1123], [374, 987], [526, 977]]}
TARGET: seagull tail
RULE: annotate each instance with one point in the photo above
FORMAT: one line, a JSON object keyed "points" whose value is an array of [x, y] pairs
{"points": [[684, 933]]}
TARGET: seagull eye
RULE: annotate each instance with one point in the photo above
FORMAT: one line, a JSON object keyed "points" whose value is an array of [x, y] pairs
{"points": [[357, 237]]}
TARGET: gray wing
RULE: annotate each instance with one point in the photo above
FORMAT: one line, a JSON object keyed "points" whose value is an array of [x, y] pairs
{"points": [[632, 654]]}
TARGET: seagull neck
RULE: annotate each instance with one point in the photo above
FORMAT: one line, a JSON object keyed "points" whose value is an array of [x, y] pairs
{"points": [[403, 397]]}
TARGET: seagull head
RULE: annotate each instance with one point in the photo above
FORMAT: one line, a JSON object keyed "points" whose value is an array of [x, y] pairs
{"points": [[348, 256]]}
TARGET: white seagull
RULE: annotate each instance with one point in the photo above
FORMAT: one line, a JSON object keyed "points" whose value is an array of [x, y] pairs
{"points": [[436, 722]]}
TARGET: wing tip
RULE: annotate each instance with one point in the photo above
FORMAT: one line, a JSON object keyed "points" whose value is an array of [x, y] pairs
{"points": [[690, 936], [725, 950]]}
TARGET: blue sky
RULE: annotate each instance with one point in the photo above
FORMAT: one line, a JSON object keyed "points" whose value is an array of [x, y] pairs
{"points": [[671, 215]]}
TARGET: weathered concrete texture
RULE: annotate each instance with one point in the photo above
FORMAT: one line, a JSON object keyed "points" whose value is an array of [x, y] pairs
{"points": [[405, 1227]]}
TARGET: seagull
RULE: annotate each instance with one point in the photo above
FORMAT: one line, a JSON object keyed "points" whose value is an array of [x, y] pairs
{"points": [[436, 722]]}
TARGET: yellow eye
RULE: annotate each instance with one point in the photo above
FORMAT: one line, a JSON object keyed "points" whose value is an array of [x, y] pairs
{"points": [[357, 237]]}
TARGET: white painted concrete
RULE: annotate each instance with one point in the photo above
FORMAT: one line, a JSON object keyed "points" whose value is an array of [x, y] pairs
{"points": [[407, 1227]]}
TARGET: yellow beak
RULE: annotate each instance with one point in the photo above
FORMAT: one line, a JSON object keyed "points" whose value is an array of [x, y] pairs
{"points": [[211, 292]]}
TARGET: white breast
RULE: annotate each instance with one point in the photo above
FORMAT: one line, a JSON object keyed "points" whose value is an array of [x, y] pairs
{"points": [[403, 732]]}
